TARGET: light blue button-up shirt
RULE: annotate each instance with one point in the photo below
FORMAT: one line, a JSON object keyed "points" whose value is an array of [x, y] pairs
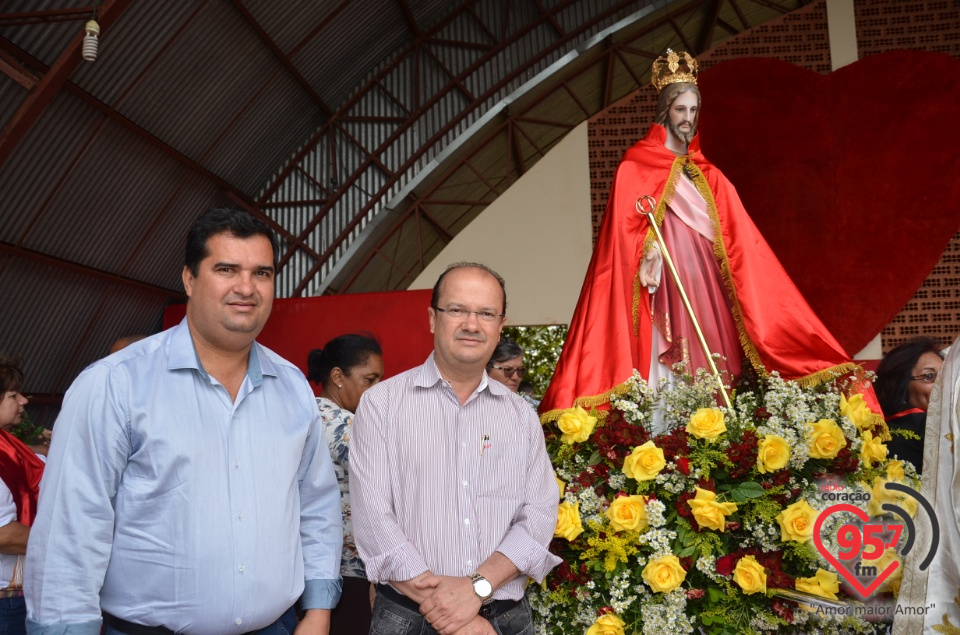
{"points": [[166, 503]]}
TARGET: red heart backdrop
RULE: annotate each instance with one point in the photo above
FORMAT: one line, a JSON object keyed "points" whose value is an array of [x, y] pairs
{"points": [[852, 177]]}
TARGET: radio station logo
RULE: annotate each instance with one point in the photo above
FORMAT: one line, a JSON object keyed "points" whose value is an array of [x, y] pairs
{"points": [[863, 544]]}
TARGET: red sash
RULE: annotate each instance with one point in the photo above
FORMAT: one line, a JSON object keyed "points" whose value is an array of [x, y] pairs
{"points": [[904, 413], [20, 469]]}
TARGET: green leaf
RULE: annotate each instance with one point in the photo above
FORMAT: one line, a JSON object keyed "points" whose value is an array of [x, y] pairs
{"points": [[594, 458], [750, 489], [716, 594], [689, 551]]}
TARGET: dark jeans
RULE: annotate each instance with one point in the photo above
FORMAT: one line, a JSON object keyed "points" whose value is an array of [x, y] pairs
{"points": [[283, 626], [13, 616], [393, 618]]}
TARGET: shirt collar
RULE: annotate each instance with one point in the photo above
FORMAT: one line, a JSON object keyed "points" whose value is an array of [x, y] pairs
{"points": [[429, 376], [183, 354]]}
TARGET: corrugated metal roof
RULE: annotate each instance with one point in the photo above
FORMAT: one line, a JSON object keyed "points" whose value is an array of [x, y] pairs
{"points": [[190, 106]]}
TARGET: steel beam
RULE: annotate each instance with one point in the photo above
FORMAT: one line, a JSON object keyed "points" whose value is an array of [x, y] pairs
{"points": [[47, 88], [73, 267]]}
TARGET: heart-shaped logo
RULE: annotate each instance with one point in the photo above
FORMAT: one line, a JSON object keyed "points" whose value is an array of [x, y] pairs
{"points": [[854, 542]]}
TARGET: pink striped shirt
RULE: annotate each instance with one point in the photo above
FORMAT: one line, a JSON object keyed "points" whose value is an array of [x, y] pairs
{"points": [[440, 486]]}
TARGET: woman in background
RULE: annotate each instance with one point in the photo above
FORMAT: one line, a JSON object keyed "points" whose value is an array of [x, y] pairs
{"points": [[20, 472], [506, 366], [345, 368], [905, 379]]}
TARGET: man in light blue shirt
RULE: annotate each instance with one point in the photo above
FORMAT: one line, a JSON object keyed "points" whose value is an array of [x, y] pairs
{"points": [[188, 489]]}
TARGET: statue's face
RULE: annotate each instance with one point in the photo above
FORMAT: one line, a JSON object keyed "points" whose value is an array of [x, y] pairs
{"points": [[682, 116]]}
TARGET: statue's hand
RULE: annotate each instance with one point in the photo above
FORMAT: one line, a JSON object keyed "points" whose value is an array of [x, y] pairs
{"points": [[650, 267]]}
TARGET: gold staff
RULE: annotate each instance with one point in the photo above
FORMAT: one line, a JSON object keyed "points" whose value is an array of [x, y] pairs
{"points": [[647, 205]]}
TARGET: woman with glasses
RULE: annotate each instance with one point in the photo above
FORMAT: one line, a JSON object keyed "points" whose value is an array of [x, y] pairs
{"points": [[345, 368], [905, 379], [506, 366]]}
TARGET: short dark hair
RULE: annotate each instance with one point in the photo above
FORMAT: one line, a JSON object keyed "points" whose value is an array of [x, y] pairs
{"points": [[435, 299], [221, 220], [506, 349], [11, 375], [894, 370], [345, 352]]}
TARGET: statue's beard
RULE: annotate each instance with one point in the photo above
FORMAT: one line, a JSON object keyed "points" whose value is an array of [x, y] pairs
{"points": [[685, 136]]}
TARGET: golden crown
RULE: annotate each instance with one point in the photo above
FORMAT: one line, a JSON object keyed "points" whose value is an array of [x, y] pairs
{"points": [[673, 68]]}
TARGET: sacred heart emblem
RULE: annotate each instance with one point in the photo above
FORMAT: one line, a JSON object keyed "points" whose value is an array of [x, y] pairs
{"points": [[851, 176]]}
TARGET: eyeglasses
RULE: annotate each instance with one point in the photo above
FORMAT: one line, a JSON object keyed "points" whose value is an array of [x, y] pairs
{"points": [[509, 371], [485, 316], [928, 378]]}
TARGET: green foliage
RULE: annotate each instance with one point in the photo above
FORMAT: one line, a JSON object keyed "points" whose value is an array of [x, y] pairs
{"points": [[27, 431], [904, 433], [707, 458], [541, 350]]}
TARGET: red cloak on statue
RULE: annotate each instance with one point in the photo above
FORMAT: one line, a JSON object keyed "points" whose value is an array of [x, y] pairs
{"points": [[610, 334]]}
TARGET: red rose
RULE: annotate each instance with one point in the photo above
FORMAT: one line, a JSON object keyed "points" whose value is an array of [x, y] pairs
{"points": [[683, 464], [725, 564]]}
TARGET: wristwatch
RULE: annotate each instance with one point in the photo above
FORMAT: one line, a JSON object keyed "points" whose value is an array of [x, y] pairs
{"points": [[482, 587]]}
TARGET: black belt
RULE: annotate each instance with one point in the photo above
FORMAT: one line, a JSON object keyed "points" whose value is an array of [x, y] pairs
{"points": [[491, 609], [132, 628]]}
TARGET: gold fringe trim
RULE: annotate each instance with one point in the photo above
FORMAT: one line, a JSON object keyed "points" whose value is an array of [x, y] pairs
{"points": [[650, 239], [720, 253], [637, 288], [588, 403], [813, 379]]}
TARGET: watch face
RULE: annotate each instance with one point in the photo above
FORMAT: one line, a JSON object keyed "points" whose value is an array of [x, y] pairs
{"points": [[483, 588]]}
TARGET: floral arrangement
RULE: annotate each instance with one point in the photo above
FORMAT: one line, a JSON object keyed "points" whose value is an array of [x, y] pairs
{"points": [[706, 526]]}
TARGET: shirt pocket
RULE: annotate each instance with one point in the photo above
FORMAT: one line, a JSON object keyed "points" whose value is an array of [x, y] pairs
{"points": [[502, 470]]}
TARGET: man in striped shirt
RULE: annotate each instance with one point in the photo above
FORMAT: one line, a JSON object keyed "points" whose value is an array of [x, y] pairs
{"points": [[454, 498]]}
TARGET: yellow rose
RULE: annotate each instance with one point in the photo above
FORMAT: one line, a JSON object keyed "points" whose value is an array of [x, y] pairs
{"points": [[895, 471], [568, 521], [751, 577], [707, 423], [576, 424], [708, 512], [824, 584], [826, 439], [796, 522], [892, 583], [879, 495], [773, 454], [560, 485], [644, 462], [664, 574], [608, 624], [627, 513], [873, 450], [855, 409]]}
